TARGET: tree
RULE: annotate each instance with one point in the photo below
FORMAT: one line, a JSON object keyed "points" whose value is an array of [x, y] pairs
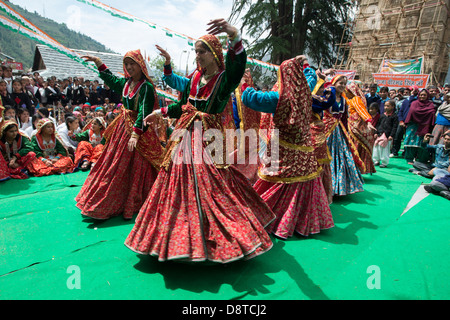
{"points": [[286, 28]]}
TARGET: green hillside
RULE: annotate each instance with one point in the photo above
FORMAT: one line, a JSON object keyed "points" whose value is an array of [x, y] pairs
{"points": [[22, 48]]}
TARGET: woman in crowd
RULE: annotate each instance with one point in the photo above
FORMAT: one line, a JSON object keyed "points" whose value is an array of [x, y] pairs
{"points": [[201, 208], [345, 159], [23, 118], [90, 145], [128, 167], [420, 121], [71, 124], [50, 151]]}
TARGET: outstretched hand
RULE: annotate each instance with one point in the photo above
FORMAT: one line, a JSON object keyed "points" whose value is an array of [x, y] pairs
{"points": [[98, 62], [221, 25], [164, 54]]}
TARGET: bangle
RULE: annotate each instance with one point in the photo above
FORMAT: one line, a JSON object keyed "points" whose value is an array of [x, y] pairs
{"points": [[135, 135]]}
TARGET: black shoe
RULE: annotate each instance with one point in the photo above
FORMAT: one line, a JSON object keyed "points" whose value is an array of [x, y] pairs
{"points": [[445, 194], [425, 174]]}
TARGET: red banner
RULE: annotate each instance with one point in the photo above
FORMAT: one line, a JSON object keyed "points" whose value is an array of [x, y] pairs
{"points": [[350, 74], [14, 65], [401, 80]]}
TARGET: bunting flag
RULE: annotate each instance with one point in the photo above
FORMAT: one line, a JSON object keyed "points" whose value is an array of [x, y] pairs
{"points": [[170, 33]]}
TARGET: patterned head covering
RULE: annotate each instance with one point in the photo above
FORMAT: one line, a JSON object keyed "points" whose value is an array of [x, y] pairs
{"points": [[215, 46], [336, 78], [42, 123], [5, 125]]}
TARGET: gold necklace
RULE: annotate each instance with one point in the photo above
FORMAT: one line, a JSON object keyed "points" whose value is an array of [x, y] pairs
{"points": [[207, 77]]}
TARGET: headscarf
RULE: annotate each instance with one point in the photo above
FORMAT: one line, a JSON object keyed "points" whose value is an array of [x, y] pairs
{"points": [[5, 125], [356, 91], [137, 57], [215, 47], [422, 113], [336, 78]]}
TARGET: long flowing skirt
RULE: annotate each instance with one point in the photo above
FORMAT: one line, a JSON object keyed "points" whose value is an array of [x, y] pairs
{"points": [[346, 177], [301, 207], [196, 212], [364, 140], [119, 182]]}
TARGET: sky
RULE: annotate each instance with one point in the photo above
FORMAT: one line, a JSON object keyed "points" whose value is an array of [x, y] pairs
{"points": [[189, 17]]}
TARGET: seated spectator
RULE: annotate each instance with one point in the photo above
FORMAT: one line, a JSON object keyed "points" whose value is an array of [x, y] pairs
{"points": [[386, 129], [23, 118], [440, 185], [50, 151], [90, 145], [16, 151], [441, 158], [31, 131], [10, 112], [71, 124]]}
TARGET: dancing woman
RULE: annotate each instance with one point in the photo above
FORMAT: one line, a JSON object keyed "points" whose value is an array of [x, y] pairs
{"points": [[360, 126], [293, 189], [132, 155], [345, 160], [201, 208]]}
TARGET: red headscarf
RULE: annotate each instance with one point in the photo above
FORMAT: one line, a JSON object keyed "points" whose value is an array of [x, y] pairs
{"points": [[423, 113]]}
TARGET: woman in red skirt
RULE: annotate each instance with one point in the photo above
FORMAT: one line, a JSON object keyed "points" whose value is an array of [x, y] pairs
{"points": [[201, 208], [50, 150], [128, 166], [16, 152]]}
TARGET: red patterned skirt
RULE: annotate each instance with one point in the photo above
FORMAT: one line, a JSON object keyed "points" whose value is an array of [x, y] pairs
{"points": [[197, 212], [301, 207], [18, 173], [119, 182], [363, 139], [39, 169], [85, 151]]}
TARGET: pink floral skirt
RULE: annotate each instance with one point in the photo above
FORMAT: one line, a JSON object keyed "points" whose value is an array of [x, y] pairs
{"points": [[301, 207]]}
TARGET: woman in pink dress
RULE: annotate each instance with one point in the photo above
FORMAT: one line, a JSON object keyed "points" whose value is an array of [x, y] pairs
{"points": [[292, 187]]}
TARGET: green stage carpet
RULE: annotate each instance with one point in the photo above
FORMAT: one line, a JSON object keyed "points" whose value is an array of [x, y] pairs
{"points": [[49, 251]]}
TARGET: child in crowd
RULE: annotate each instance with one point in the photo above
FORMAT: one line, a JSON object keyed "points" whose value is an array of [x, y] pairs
{"points": [[20, 98], [374, 111], [386, 129], [90, 145]]}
